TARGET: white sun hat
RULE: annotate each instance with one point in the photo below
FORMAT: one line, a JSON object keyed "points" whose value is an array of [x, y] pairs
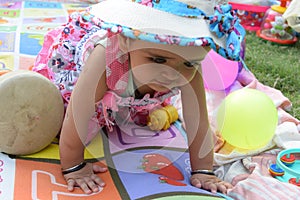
{"points": [[180, 22]]}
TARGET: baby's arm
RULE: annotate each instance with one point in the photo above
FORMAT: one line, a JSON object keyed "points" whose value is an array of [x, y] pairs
{"points": [[74, 130], [200, 138]]}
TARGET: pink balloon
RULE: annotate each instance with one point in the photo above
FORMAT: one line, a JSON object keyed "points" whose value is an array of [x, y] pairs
{"points": [[218, 73]]}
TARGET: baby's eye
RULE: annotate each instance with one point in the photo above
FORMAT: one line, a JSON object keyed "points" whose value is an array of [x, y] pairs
{"points": [[191, 64], [159, 60]]}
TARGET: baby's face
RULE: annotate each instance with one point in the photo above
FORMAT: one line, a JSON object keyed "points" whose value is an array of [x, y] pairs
{"points": [[163, 67]]}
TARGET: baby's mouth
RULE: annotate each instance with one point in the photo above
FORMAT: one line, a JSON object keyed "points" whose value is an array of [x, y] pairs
{"points": [[163, 82]]}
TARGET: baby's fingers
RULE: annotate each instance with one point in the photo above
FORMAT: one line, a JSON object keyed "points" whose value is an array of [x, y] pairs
{"points": [[196, 182], [99, 169], [222, 188], [91, 185], [228, 185], [83, 185], [210, 186], [207, 185], [219, 186], [71, 184], [98, 180], [210, 183]]}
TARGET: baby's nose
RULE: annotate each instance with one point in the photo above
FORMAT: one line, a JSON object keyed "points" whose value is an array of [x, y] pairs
{"points": [[170, 74]]}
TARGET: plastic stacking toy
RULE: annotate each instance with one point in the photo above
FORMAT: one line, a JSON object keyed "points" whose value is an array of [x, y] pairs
{"points": [[275, 170], [294, 181], [161, 119], [286, 161]]}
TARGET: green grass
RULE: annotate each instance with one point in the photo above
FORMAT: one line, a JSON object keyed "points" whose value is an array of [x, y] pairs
{"points": [[276, 66]]}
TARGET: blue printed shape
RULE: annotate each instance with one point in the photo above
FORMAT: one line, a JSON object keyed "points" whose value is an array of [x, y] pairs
{"points": [[31, 43], [42, 4], [7, 41]]}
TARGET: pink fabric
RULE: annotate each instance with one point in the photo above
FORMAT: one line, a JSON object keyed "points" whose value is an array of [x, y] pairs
{"points": [[117, 66], [259, 184], [56, 60]]}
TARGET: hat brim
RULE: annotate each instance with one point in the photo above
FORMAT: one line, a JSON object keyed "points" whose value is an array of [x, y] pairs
{"points": [[150, 20]]}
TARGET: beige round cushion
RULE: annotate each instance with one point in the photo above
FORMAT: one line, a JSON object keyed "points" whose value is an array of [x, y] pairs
{"points": [[31, 112]]}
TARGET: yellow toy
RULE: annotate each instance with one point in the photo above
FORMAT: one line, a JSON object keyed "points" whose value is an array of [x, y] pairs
{"points": [[162, 118]]}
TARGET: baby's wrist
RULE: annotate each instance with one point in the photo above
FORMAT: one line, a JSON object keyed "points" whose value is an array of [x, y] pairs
{"points": [[203, 171], [74, 168]]}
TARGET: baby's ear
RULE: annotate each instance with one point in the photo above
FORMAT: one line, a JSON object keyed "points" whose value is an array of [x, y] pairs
{"points": [[123, 43]]}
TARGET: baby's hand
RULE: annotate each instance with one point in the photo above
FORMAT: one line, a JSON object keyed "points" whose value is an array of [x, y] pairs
{"points": [[86, 178], [210, 182]]}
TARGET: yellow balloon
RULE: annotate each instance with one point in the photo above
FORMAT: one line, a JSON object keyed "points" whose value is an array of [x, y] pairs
{"points": [[247, 119]]}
